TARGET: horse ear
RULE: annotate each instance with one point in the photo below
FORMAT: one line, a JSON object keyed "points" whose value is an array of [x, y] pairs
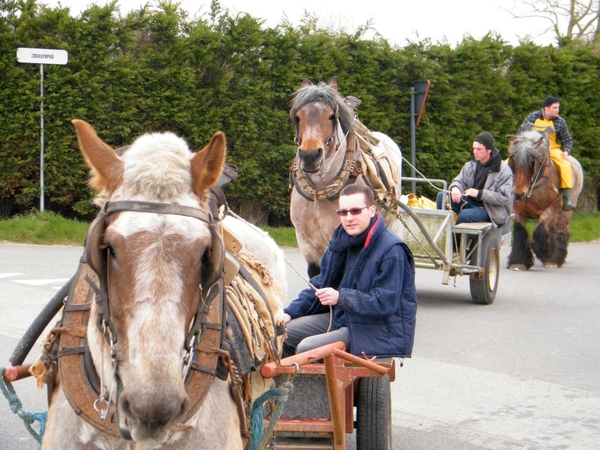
{"points": [[207, 164], [305, 83], [539, 142], [333, 83], [107, 167]]}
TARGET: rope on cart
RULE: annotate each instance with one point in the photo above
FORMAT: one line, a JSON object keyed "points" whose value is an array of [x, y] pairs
{"points": [[260, 436], [16, 407]]}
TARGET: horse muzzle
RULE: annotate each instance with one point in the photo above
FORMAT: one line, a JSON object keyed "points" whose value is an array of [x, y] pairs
{"points": [[150, 422], [310, 160]]}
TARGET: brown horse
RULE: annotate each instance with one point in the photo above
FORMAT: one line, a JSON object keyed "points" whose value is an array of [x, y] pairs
{"points": [[148, 354], [536, 188], [334, 149]]}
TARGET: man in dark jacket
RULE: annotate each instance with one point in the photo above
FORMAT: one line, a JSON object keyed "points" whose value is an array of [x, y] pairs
{"points": [[483, 190], [365, 294]]}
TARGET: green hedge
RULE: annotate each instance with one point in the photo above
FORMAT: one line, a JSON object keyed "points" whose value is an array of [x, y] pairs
{"points": [[162, 70]]}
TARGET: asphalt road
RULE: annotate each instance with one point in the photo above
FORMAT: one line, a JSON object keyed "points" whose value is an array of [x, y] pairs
{"points": [[521, 373]]}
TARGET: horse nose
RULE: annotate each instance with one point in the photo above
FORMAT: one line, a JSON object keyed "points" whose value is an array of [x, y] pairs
{"points": [[519, 195], [310, 158], [153, 411]]}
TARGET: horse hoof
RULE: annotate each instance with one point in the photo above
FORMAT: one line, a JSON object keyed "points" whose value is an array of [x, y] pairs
{"points": [[551, 265], [517, 267]]}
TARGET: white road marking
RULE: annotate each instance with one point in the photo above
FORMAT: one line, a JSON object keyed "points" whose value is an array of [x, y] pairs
{"points": [[8, 275], [41, 282]]}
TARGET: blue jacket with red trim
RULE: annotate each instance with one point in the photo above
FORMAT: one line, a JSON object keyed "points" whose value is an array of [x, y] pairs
{"points": [[378, 300]]}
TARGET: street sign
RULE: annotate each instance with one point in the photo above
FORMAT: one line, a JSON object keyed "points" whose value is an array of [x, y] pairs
{"points": [[42, 56]]}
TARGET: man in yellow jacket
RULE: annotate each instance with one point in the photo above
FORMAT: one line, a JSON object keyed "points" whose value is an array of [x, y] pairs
{"points": [[561, 143]]}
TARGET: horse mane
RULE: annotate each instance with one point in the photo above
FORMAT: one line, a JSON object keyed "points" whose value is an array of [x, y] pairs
{"points": [[156, 164], [527, 147], [322, 92]]}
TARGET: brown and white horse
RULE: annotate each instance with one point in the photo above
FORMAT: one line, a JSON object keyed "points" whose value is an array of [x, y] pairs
{"points": [[153, 333], [329, 156], [537, 197]]}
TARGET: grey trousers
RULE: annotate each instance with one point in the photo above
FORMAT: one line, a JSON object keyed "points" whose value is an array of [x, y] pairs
{"points": [[309, 332]]}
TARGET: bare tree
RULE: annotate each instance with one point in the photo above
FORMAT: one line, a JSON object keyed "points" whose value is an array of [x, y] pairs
{"points": [[568, 19]]}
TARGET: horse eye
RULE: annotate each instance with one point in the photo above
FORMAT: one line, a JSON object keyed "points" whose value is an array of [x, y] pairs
{"points": [[105, 246]]}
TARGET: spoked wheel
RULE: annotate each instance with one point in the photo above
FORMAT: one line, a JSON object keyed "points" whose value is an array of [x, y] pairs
{"points": [[484, 287], [374, 414]]}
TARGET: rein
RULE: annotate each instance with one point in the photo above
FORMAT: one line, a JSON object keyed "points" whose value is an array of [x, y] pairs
{"points": [[203, 342], [539, 177]]}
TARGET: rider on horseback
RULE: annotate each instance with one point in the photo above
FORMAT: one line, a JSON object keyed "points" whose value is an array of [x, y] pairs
{"points": [[559, 151]]}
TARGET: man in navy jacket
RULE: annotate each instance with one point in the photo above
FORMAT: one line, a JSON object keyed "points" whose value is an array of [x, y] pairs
{"points": [[365, 294]]}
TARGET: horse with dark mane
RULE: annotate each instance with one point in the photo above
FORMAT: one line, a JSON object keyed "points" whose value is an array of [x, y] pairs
{"points": [[172, 313], [537, 197], [334, 149]]}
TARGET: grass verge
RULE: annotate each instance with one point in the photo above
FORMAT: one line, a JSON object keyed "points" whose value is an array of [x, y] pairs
{"points": [[48, 228]]}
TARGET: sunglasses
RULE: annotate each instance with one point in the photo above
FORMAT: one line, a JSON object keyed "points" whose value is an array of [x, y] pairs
{"points": [[352, 211]]}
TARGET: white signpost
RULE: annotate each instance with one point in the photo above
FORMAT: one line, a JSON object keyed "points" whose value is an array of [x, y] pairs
{"points": [[42, 56]]}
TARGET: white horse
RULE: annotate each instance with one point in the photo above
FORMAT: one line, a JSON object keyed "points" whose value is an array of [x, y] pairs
{"points": [[154, 267]]}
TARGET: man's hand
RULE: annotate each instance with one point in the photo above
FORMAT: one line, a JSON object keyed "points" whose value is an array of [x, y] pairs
{"points": [[328, 296], [456, 195], [565, 155], [471, 192], [286, 318]]}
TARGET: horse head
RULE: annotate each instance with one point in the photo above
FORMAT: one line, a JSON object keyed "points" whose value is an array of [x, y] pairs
{"points": [[153, 249], [322, 120], [528, 152]]}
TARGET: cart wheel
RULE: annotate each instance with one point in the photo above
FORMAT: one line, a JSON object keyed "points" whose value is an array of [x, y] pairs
{"points": [[483, 289], [374, 414]]}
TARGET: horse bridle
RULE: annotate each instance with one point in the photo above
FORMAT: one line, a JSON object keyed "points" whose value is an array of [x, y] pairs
{"points": [[97, 259], [347, 173], [539, 174], [334, 133], [202, 344]]}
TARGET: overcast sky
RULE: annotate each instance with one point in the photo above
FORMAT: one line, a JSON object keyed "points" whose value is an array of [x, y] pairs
{"points": [[397, 21]]}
